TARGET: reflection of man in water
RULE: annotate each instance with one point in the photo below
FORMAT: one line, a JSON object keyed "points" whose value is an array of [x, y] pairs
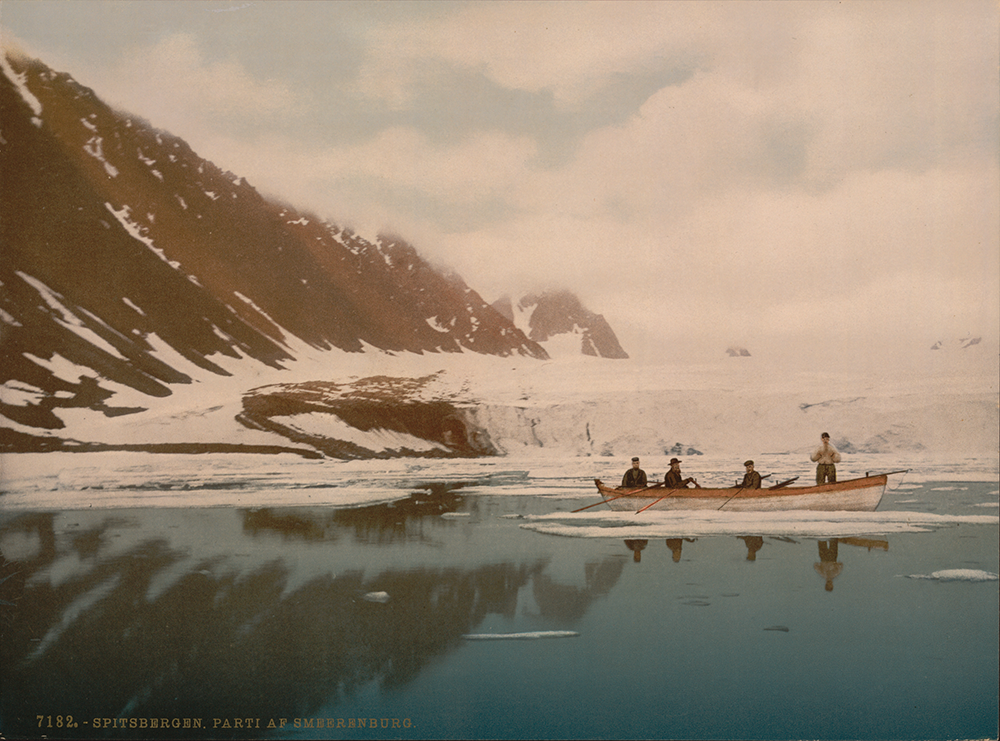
{"points": [[754, 544], [676, 544], [636, 546], [828, 567]]}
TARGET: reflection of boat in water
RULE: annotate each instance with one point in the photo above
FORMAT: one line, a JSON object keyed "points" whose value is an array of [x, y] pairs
{"points": [[859, 495]]}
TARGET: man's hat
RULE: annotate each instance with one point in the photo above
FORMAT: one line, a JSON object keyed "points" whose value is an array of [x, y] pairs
{"points": [[635, 459], [825, 434], [673, 461], [747, 463]]}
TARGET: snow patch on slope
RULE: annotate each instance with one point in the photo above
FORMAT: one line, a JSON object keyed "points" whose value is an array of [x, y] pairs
{"points": [[21, 85], [66, 317]]}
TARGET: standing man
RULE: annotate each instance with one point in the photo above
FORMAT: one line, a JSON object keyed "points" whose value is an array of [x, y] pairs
{"points": [[635, 477], [674, 478], [825, 456], [751, 479]]}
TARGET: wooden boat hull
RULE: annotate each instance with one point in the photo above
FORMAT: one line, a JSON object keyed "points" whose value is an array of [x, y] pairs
{"points": [[854, 495]]}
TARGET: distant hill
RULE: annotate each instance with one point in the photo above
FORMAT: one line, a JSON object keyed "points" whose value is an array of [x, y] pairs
{"points": [[130, 261], [560, 316], [961, 344]]}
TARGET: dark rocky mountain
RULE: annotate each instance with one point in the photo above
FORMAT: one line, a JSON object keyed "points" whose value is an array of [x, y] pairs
{"points": [[388, 412], [120, 242], [555, 313]]}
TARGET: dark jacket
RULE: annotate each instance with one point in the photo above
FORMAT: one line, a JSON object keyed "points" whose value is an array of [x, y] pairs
{"points": [[751, 480], [673, 480], [634, 478]]}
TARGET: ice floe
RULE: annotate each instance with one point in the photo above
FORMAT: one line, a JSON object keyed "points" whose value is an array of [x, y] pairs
{"points": [[972, 575], [703, 523], [529, 636]]}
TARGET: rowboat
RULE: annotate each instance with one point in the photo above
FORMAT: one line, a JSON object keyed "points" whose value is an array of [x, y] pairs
{"points": [[854, 495]]}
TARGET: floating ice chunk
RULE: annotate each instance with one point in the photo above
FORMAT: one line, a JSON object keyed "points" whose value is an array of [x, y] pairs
{"points": [[534, 635], [455, 515], [381, 597], [958, 575]]}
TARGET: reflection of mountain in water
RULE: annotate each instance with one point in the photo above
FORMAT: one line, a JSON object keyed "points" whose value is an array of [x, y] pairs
{"points": [[105, 638], [382, 523], [566, 603]]}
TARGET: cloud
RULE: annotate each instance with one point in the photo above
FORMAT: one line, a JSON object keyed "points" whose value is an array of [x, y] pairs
{"points": [[711, 169], [172, 84]]}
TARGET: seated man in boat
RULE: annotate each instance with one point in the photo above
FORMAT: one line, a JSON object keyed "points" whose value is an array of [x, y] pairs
{"points": [[825, 456], [751, 479], [675, 479], [635, 477]]}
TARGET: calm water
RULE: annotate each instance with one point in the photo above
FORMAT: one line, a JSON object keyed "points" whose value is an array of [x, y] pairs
{"points": [[234, 617]]}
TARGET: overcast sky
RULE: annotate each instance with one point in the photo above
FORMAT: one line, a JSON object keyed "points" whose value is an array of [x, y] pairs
{"points": [[769, 174]]}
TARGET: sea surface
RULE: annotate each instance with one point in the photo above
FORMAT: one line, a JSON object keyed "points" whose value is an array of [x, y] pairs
{"points": [[244, 597]]}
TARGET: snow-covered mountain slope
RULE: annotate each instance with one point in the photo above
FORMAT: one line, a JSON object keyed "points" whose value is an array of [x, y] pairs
{"points": [[132, 263], [562, 325], [389, 405]]}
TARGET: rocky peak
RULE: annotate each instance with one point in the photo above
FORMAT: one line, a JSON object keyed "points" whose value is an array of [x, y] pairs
{"points": [[544, 317]]}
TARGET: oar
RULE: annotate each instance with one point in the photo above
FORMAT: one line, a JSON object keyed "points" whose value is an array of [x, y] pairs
{"points": [[672, 491], [868, 475], [738, 492], [783, 484], [657, 500], [630, 492]]}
